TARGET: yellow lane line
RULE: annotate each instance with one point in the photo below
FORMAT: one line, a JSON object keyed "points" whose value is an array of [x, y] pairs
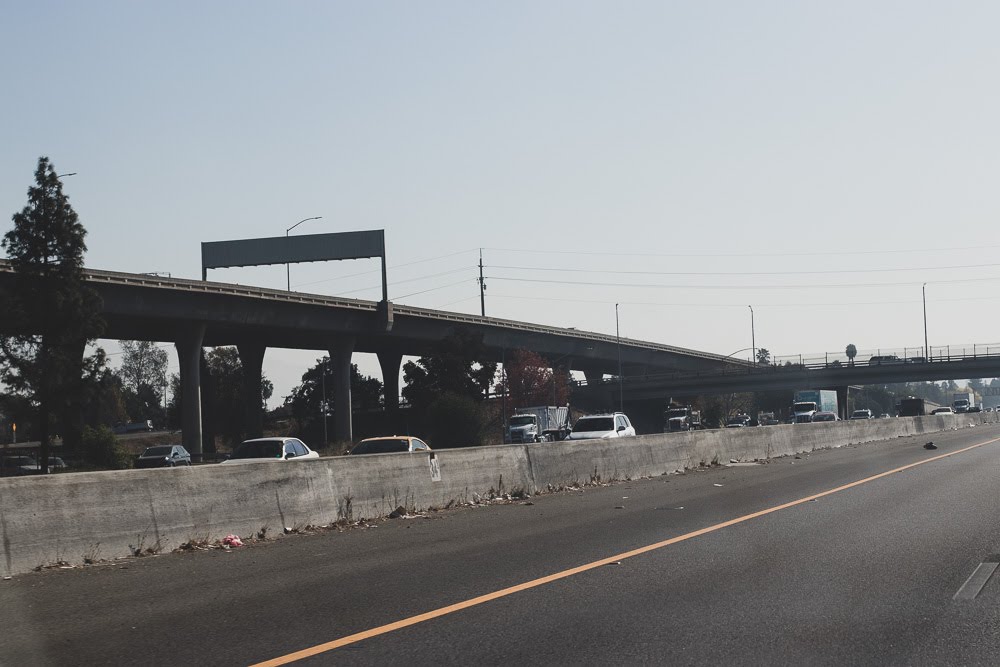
{"points": [[534, 583]]}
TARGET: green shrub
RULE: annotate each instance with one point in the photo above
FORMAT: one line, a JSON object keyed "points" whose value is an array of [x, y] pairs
{"points": [[455, 421], [102, 449]]}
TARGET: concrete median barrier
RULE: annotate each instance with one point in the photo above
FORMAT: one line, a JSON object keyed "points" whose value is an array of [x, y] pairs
{"points": [[81, 517]]}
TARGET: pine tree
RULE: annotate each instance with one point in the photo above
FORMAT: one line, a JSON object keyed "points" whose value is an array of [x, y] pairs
{"points": [[50, 314]]}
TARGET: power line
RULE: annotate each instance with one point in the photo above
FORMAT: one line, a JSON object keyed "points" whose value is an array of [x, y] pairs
{"points": [[408, 280], [468, 298], [392, 266], [751, 254], [740, 287], [732, 305], [740, 273], [433, 289]]}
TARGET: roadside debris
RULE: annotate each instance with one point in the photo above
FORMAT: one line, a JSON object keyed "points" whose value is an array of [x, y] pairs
{"points": [[232, 541], [930, 445]]}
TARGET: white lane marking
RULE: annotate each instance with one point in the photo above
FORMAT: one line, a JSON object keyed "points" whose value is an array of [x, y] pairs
{"points": [[976, 581]]}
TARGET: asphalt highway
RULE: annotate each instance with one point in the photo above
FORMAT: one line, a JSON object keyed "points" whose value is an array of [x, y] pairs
{"points": [[871, 554]]}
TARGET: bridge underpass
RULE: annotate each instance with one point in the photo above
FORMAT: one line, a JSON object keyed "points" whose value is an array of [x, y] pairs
{"points": [[644, 388]]}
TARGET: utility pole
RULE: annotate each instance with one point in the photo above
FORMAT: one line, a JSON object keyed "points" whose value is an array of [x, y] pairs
{"points": [[503, 396], [923, 290], [621, 389], [482, 286], [326, 440]]}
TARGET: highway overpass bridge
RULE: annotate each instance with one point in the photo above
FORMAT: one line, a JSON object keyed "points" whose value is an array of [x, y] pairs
{"points": [[751, 378], [193, 314]]}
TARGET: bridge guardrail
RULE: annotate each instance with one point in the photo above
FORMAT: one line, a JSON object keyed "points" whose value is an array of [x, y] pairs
{"points": [[770, 369], [187, 284]]}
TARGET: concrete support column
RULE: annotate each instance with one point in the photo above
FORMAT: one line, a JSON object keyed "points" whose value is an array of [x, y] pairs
{"points": [[189, 357], [842, 402], [252, 360], [72, 417], [389, 362], [593, 376], [340, 368]]}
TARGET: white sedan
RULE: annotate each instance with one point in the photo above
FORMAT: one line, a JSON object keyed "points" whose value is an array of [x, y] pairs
{"points": [[615, 425], [264, 450]]}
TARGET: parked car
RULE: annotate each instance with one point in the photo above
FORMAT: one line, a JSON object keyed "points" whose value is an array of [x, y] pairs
{"points": [[863, 413], [16, 466], [946, 410], [389, 445], [825, 417], [262, 450], [613, 425], [163, 456]]}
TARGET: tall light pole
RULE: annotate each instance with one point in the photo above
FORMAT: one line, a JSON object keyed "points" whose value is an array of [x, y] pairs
{"points": [[621, 389], [923, 290], [72, 173], [288, 274], [753, 338], [326, 410]]}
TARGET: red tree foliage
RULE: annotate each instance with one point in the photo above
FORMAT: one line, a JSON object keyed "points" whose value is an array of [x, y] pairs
{"points": [[528, 380]]}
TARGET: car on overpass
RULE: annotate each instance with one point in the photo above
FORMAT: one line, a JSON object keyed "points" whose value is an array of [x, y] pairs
{"points": [[391, 444], [881, 359], [612, 425], [862, 413], [267, 450]]}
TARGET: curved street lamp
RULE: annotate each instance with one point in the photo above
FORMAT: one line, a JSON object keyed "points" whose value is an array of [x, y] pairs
{"points": [[288, 274]]}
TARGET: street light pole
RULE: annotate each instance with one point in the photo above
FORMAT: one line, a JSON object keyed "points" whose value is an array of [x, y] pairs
{"points": [[924, 292], [326, 410], [288, 273], [753, 338], [621, 389]]}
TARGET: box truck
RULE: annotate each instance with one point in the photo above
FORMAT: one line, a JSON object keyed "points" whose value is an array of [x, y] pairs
{"points": [[963, 401], [535, 424], [808, 402]]}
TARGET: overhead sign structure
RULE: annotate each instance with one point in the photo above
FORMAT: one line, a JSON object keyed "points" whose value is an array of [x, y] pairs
{"points": [[295, 249]]}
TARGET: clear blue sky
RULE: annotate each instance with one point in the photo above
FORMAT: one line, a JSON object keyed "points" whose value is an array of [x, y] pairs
{"points": [[663, 139]]}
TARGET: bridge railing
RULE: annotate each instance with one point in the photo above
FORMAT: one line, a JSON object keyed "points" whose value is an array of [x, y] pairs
{"points": [[939, 354], [158, 281]]}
